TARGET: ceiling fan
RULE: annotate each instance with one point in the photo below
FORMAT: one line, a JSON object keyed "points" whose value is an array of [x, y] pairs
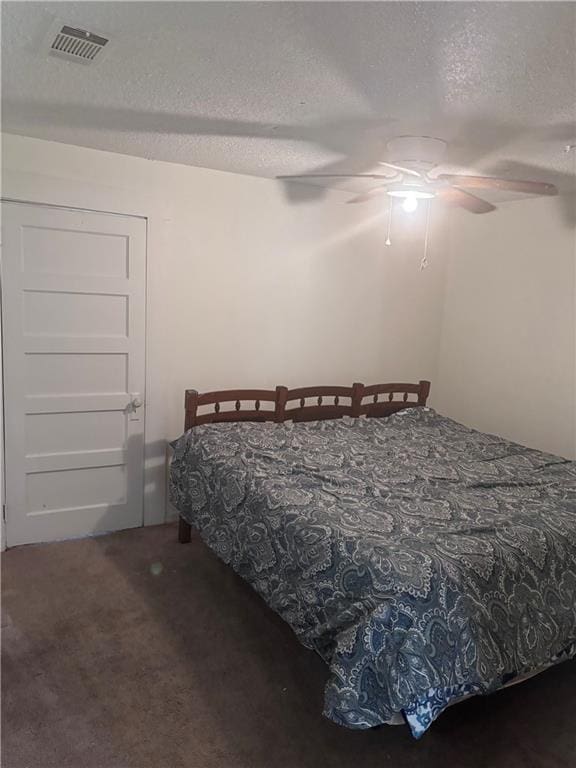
{"points": [[414, 160]]}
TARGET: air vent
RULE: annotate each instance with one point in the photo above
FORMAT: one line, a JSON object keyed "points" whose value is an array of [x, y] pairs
{"points": [[78, 45]]}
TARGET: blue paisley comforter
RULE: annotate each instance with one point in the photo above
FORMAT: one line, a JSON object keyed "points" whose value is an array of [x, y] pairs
{"points": [[423, 560]]}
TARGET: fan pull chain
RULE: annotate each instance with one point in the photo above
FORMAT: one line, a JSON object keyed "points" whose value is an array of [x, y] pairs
{"points": [[424, 263], [388, 241]]}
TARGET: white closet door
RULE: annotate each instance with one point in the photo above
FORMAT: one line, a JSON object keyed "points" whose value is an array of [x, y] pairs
{"points": [[73, 307]]}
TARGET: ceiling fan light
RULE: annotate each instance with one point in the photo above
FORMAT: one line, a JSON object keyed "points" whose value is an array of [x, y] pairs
{"points": [[410, 203]]}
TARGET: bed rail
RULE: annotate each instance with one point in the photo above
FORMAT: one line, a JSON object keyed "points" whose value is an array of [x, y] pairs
{"points": [[377, 406], [302, 403]]}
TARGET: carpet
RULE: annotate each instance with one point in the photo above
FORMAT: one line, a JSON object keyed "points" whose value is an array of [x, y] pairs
{"points": [[133, 651]]}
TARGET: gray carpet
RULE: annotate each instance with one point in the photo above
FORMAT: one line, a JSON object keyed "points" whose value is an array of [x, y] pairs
{"points": [[131, 650]]}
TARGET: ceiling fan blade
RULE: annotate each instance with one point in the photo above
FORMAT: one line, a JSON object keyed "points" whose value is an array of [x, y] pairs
{"points": [[409, 171], [365, 196], [508, 185], [336, 176], [461, 199]]}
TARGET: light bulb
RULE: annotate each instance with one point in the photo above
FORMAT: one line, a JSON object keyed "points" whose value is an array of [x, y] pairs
{"points": [[410, 203]]}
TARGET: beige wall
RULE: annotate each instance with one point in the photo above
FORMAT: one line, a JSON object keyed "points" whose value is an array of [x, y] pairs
{"points": [[245, 287], [248, 288], [507, 354]]}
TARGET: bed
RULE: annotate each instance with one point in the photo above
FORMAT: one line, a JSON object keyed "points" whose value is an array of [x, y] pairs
{"points": [[424, 561]]}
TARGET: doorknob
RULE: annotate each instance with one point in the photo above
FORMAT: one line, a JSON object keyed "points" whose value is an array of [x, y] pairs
{"points": [[135, 403]]}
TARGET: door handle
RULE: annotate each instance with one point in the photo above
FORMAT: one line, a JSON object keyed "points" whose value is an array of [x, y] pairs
{"points": [[135, 403]]}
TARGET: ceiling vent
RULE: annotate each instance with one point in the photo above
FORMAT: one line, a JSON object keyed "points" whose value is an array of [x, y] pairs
{"points": [[77, 44]]}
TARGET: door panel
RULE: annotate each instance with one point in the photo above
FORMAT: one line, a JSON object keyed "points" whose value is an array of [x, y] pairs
{"points": [[75, 489], [47, 313], [69, 252], [74, 431], [74, 325], [73, 373]]}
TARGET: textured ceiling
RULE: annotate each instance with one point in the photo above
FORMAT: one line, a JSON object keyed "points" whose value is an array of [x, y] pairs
{"points": [[276, 88]]}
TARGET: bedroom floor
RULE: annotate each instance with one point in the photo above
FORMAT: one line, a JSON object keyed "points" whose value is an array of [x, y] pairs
{"points": [[132, 650]]}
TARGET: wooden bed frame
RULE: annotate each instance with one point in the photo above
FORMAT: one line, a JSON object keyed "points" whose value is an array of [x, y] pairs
{"points": [[377, 400]]}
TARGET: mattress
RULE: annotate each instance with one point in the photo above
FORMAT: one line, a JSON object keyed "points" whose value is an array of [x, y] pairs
{"points": [[423, 560]]}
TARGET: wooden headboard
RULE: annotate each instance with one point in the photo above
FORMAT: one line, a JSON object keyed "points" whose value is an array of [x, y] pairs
{"points": [[301, 404]]}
